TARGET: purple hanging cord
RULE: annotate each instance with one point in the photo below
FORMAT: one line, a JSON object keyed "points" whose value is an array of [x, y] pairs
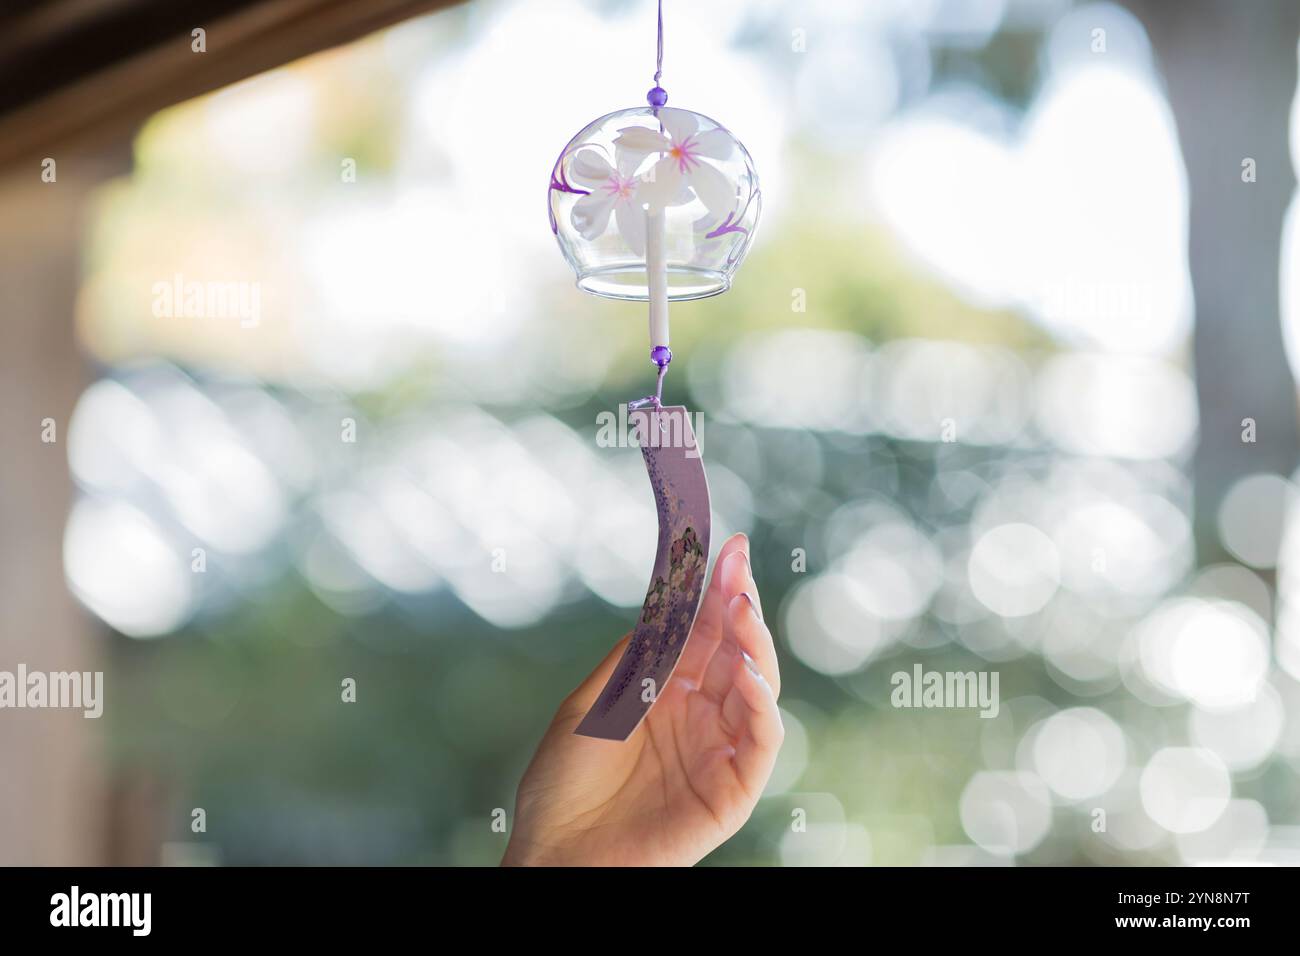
{"points": [[658, 96], [661, 355]]}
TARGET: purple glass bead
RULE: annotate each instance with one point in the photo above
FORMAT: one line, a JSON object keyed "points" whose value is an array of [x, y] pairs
{"points": [[661, 355], [657, 97]]}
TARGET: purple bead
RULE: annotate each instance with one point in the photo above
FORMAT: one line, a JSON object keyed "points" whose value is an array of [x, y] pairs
{"points": [[661, 355], [657, 97]]}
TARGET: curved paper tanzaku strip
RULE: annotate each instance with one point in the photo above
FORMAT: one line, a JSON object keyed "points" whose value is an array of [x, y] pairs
{"points": [[681, 491]]}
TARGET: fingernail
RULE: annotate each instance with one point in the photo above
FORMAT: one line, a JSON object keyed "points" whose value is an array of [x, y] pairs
{"points": [[744, 557], [743, 543], [749, 662], [753, 605]]}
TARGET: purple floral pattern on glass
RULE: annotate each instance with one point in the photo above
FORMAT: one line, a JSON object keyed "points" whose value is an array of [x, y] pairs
{"points": [[664, 168]]}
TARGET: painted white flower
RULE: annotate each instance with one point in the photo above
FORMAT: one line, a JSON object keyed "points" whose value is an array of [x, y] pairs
{"points": [[612, 191], [684, 168]]}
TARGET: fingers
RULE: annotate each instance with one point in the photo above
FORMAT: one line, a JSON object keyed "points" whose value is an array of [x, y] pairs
{"points": [[720, 675], [737, 543], [743, 625], [751, 709], [585, 694], [707, 630], [742, 631], [737, 575]]}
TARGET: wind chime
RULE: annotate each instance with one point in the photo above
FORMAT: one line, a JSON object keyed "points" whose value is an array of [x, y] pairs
{"points": [[656, 204]]}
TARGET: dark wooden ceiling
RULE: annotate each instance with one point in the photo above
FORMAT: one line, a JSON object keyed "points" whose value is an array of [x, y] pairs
{"points": [[74, 71]]}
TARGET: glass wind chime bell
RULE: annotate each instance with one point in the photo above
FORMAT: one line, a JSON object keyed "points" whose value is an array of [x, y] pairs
{"points": [[656, 204]]}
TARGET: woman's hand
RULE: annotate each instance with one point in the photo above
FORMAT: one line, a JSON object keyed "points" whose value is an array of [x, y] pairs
{"points": [[689, 776]]}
